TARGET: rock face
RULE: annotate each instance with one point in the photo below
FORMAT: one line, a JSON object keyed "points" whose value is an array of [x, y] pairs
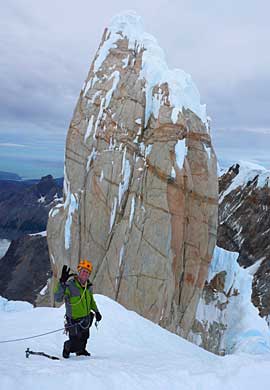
{"points": [[25, 268], [244, 224], [140, 188], [24, 206]]}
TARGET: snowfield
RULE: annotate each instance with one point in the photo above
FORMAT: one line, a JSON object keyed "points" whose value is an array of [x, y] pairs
{"points": [[128, 352]]}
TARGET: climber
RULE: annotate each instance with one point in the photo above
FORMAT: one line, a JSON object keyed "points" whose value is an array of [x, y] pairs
{"points": [[80, 307]]}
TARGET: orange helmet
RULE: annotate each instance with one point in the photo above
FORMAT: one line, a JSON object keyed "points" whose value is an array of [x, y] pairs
{"points": [[85, 264]]}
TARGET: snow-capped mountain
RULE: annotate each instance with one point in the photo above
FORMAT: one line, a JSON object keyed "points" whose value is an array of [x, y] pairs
{"points": [[24, 262], [25, 268], [24, 205], [244, 224]]}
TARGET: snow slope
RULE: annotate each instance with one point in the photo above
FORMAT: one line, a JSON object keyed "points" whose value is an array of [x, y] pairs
{"points": [[128, 352]]}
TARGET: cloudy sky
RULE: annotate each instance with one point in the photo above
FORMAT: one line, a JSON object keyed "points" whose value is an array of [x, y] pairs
{"points": [[46, 48]]}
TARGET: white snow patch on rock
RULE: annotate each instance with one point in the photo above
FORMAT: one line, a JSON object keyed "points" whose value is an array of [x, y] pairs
{"points": [[132, 210], [208, 150], [116, 77], [4, 245], [43, 234], [123, 186], [125, 62], [73, 206], [121, 254], [90, 158], [55, 210], [52, 259], [101, 176], [148, 150], [42, 199], [113, 213], [43, 290], [180, 152], [89, 128]]}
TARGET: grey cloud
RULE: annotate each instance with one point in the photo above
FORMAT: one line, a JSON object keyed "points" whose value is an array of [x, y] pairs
{"points": [[236, 144], [244, 104], [47, 48], [10, 145]]}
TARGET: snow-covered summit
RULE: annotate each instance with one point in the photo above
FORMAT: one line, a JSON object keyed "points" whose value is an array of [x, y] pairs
{"points": [[247, 172], [182, 90]]}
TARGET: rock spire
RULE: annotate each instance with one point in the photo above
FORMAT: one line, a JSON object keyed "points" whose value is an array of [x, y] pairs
{"points": [[140, 188]]}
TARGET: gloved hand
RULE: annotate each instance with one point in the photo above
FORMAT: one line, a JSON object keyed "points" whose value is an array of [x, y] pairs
{"points": [[65, 274], [98, 316]]}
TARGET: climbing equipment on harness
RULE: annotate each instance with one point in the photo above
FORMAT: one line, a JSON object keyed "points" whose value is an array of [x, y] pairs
{"points": [[83, 323]]}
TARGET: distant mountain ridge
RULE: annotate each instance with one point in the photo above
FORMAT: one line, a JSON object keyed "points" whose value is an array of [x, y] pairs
{"points": [[24, 205], [24, 208], [244, 225], [9, 176], [25, 268]]}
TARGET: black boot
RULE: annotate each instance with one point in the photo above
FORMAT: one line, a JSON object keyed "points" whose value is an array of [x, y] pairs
{"points": [[66, 350], [83, 353]]}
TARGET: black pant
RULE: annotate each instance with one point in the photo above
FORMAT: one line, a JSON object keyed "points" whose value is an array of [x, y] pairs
{"points": [[78, 331]]}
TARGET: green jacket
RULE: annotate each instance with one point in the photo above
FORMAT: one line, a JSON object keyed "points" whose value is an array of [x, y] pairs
{"points": [[78, 300]]}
